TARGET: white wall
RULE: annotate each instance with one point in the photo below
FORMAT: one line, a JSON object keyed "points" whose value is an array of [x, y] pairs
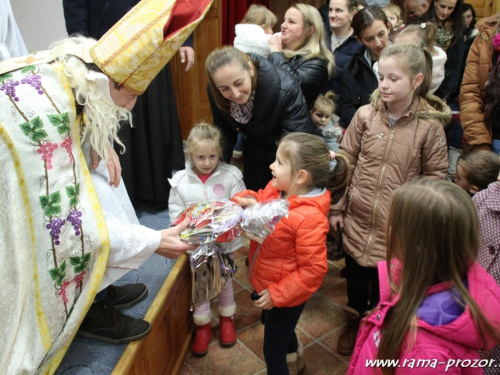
{"points": [[41, 22]]}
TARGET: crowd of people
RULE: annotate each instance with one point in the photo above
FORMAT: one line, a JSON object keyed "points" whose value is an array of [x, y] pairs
{"points": [[383, 127]]}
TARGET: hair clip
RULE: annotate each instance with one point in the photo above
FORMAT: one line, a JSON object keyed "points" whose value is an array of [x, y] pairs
{"points": [[332, 155], [423, 25]]}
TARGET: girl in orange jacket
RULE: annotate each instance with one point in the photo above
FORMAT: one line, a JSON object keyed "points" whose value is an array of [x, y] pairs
{"points": [[290, 264]]}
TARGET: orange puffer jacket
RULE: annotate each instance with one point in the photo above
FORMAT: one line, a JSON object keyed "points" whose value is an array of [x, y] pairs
{"points": [[473, 103], [291, 262], [382, 158]]}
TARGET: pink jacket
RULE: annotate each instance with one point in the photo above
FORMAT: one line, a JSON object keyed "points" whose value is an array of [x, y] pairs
{"points": [[441, 344]]}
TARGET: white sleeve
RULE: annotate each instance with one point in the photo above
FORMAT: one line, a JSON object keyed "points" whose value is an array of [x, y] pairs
{"points": [[131, 244], [175, 204]]}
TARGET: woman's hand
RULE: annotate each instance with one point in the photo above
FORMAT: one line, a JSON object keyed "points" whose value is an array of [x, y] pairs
{"points": [[114, 166], [170, 245], [336, 220], [245, 202], [275, 44], [264, 302]]}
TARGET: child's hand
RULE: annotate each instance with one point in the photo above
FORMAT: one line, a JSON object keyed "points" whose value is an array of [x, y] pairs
{"points": [[335, 220], [264, 302], [245, 202]]}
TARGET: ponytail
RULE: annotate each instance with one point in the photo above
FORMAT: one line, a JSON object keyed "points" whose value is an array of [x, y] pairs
{"points": [[337, 178]]}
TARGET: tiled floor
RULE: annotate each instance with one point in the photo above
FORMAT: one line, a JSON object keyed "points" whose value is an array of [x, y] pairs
{"points": [[319, 327]]}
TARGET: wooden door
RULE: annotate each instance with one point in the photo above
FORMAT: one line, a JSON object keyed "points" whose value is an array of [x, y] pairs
{"points": [[191, 87]]}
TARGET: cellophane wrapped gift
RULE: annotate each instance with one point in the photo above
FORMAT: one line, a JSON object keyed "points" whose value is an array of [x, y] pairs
{"points": [[211, 220], [258, 221], [211, 268]]}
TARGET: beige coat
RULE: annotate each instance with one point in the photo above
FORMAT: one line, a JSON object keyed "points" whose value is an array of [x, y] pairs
{"points": [[382, 158], [473, 102]]}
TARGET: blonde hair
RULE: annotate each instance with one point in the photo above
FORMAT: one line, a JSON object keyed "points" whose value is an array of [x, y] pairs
{"points": [[394, 9], [312, 45], [433, 230], [223, 56], [325, 100], [481, 167], [203, 132], [414, 60], [426, 35], [259, 15], [103, 117], [310, 153]]}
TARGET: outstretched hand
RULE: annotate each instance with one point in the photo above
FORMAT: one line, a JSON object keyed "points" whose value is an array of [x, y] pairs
{"points": [[245, 202], [170, 245]]}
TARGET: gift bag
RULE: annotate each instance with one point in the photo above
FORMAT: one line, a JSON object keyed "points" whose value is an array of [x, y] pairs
{"points": [[211, 268]]}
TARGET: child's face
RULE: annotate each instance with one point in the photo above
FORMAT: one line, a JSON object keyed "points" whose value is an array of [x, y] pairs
{"points": [[268, 30], [460, 178], [393, 19], [395, 85], [407, 38], [321, 116], [282, 172], [205, 157]]}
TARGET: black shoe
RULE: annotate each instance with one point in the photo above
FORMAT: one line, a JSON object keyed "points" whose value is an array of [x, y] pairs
{"points": [[126, 295], [104, 322]]}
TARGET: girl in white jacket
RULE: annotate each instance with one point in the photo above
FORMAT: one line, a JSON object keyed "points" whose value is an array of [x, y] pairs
{"points": [[206, 177], [255, 29], [424, 35]]}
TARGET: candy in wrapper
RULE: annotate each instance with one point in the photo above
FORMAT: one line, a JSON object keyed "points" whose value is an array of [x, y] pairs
{"points": [[211, 268], [258, 221], [209, 220]]}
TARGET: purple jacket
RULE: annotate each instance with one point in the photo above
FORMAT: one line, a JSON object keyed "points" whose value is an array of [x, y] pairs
{"points": [[455, 337]]}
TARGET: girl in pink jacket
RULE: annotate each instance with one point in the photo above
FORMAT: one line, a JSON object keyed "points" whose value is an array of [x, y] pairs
{"points": [[438, 307]]}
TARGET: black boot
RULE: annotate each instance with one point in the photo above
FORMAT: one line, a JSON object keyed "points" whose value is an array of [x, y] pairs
{"points": [[104, 322], [127, 295]]}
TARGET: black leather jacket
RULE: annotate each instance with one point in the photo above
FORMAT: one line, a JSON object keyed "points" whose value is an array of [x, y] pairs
{"points": [[279, 108], [311, 74]]}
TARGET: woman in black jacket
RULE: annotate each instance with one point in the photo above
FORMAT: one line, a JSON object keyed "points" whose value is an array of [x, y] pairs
{"points": [[449, 18], [371, 27], [301, 50], [248, 94]]}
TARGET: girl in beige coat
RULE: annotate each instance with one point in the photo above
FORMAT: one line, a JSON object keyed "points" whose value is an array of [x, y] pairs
{"points": [[400, 135]]}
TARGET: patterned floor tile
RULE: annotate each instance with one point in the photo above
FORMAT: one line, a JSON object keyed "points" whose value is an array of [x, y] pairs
{"points": [[320, 361], [330, 341], [321, 316], [337, 293], [226, 361]]}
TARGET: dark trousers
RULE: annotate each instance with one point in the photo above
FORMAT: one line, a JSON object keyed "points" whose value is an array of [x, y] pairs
{"points": [[280, 338], [362, 286]]}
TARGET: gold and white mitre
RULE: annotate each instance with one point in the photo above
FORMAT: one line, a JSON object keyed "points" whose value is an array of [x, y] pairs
{"points": [[136, 48]]}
